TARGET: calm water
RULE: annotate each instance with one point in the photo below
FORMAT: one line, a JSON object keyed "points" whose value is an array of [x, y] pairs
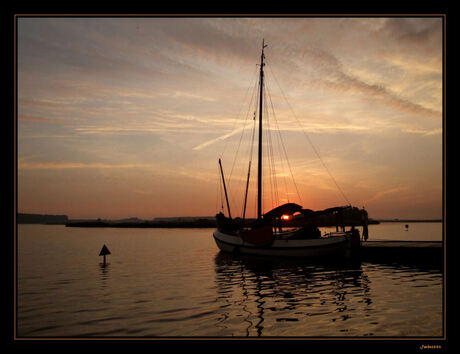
{"points": [[175, 282]]}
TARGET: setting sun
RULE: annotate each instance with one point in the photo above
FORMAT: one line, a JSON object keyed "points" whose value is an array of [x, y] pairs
{"points": [[247, 177], [122, 117]]}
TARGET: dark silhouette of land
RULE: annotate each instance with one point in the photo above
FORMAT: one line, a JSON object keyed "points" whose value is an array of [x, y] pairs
{"points": [[42, 219], [210, 222], [175, 222]]}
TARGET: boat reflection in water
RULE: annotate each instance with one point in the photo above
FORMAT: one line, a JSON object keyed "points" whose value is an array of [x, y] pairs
{"points": [[285, 297]]}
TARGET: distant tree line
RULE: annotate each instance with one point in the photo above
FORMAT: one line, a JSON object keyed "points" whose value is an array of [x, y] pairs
{"points": [[42, 219]]}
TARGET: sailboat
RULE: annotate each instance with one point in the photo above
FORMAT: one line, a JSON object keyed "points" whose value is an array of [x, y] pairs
{"points": [[265, 235]]}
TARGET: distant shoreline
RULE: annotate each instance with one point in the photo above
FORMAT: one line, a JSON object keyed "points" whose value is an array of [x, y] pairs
{"points": [[41, 219], [201, 223], [171, 222]]}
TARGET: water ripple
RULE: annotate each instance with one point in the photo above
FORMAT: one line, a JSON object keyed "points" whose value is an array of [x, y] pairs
{"points": [[175, 283]]}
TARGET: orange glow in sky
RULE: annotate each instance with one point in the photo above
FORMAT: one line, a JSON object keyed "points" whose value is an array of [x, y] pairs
{"points": [[127, 117]]}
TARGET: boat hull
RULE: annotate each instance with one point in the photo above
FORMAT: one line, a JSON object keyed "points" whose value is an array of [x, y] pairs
{"points": [[310, 248]]}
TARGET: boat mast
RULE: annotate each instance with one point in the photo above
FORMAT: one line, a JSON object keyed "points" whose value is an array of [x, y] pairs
{"points": [[225, 189], [246, 194], [259, 167]]}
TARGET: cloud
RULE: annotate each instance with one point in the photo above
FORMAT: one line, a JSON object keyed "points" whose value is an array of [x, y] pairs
{"points": [[41, 119], [391, 191], [70, 165], [344, 82], [330, 73], [193, 95], [424, 132], [219, 138], [412, 31]]}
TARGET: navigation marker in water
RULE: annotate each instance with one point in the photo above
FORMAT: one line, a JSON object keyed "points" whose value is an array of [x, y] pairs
{"points": [[104, 252]]}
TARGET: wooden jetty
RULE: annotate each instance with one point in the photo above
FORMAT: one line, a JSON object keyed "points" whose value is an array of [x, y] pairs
{"points": [[430, 252]]}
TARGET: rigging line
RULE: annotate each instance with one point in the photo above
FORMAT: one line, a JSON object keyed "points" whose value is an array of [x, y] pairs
{"points": [[251, 150], [253, 135], [250, 162], [285, 153], [279, 142], [242, 132], [267, 155], [273, 170], [283, 169], [241, 107], [241, 137], [311, 143], [272, 167]]}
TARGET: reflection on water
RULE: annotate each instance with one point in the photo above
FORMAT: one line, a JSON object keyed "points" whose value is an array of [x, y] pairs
{"points": [[104, 270], [286, 290], [175, 282], [291, 297]]}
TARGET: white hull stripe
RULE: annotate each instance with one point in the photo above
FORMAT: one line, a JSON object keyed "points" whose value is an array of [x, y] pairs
{"points": [[280, 248]]}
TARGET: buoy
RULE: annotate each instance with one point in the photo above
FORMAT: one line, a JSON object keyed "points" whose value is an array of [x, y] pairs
{"points": [[104, 251]]}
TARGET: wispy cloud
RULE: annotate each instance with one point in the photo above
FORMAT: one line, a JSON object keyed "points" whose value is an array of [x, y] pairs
{"points": [[29, 165], [332, 75], [41, 119], [384, 193], [219, 138], [380, 93], [424, 132], [194, 96]]}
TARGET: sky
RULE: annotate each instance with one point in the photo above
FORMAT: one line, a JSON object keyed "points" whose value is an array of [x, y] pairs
{"points": [[123, 117]]}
